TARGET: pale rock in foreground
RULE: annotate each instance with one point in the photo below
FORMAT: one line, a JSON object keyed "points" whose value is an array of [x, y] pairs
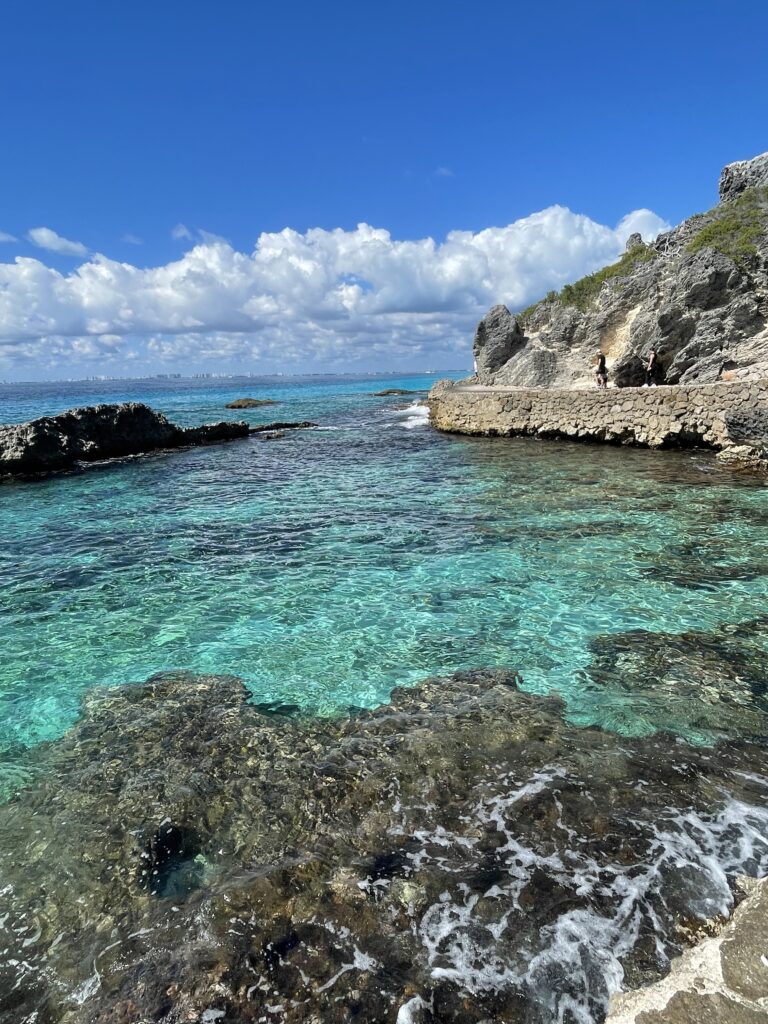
{"points": [[723, 980]]}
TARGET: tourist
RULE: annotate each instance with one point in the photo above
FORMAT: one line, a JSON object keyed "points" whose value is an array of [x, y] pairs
{"points": [[601, 372], [652, 369]]}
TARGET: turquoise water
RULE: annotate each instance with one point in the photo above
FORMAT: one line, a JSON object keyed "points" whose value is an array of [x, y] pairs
{"points": [[332, 565]]}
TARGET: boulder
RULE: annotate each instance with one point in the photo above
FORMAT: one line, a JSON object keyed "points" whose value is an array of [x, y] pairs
{"points": [[395, 391], [497, 338], [92, 433]]}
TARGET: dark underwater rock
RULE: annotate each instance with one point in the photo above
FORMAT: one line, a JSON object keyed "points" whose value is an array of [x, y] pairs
{"points": [[250, 403], [395, 391], [92, 433], [461, 852], [279, 425], [711, 683]]}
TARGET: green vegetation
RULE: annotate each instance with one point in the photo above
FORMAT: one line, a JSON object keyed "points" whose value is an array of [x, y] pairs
{"points": [[582, 293], [735, 228]]}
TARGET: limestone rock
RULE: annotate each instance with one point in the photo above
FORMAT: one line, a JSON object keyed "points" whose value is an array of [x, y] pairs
{"points": [[743, 174], [497, 338], [724, 980], [91, 433], [634, 241], [698, 294]]}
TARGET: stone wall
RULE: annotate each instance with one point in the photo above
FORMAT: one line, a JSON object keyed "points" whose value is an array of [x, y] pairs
{"points": [[712, 415]]}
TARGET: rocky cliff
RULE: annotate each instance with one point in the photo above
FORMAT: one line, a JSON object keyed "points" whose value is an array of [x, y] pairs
{"points": [[698, 295]]}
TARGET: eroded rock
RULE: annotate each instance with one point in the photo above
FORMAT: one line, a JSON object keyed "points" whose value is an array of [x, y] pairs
{"points": [[92, 433], [698, 295], [461, 851]]}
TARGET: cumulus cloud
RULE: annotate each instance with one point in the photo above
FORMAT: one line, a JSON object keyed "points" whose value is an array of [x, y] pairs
{"points": [[321, 299], [5, 237], [46, 238], [132, 239], [181, 231]]}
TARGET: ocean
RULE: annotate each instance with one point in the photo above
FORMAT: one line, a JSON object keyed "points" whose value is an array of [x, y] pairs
{"points": [[328, 567]]}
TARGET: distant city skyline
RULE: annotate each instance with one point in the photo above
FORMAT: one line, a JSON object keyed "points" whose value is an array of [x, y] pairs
{"points": [[189, 188]]}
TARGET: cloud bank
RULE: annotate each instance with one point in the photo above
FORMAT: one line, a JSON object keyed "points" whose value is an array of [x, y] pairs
{"points": [[320, 300]]}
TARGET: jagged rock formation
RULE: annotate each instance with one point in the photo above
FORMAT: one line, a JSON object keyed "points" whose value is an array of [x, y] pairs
{"points": [[91, 433], [698, 294], [461, 854]]}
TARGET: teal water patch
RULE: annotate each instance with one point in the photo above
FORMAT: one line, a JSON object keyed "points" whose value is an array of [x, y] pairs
{"points": [[332, 565]]}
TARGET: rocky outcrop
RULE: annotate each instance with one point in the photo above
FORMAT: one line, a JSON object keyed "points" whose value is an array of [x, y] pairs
{"points": [[250, 403], [387, 392], [461, 854], [724, 980], [497, 339], [92, 433], [697, 294], [737, 177], [280, 425]]}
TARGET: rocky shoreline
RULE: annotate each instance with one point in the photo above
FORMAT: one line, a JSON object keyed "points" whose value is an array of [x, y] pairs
{"points": [[53, 444], [460, 854]]}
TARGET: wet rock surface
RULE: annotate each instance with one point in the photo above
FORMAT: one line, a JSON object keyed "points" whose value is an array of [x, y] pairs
{"points": [[387, 392], [281, 425], [709, 683], [92, 433], [697, 295], [460, 854], [250, 403], [723, 980]]}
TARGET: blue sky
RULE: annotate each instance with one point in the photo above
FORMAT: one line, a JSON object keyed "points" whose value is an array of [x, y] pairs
{"points": [[127, 130]]}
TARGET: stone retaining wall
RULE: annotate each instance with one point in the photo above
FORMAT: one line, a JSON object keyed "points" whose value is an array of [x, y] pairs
{"points": [[713, 415]]}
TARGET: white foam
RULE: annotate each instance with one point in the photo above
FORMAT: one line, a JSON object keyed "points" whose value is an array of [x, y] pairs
{"points": [[412, 416], [573, 965]]}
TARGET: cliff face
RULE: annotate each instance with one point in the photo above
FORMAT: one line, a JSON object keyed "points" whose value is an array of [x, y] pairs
{"points": [[698, 295]]}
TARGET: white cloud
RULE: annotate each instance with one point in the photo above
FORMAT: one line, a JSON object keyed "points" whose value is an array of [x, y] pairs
{"points": [[46, 238], [5, 237], [325, 299], [444, 172], [181, 231], [132, 239]]}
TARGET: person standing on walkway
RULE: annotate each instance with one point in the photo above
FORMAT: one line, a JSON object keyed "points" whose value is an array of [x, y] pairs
{"points": [[652, 369], [601, 371]]}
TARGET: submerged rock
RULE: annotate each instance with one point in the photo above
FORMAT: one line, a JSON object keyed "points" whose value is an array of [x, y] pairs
{"points": [[279, 425], [92, 433], [705, 684], [395, 391], [250, 403], [460, 854]]}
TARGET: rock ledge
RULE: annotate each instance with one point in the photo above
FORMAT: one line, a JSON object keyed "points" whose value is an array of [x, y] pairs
{"points": [[92, 433]]}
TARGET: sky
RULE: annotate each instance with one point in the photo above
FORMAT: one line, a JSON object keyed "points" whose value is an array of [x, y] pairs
{"points": [[294, 187]]}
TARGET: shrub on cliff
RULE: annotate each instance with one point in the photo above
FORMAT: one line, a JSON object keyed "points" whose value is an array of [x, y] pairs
{"points": [[735, 228]]}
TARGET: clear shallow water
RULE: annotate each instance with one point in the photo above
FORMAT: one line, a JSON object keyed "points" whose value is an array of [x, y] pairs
{"points": [[332, 565]]}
